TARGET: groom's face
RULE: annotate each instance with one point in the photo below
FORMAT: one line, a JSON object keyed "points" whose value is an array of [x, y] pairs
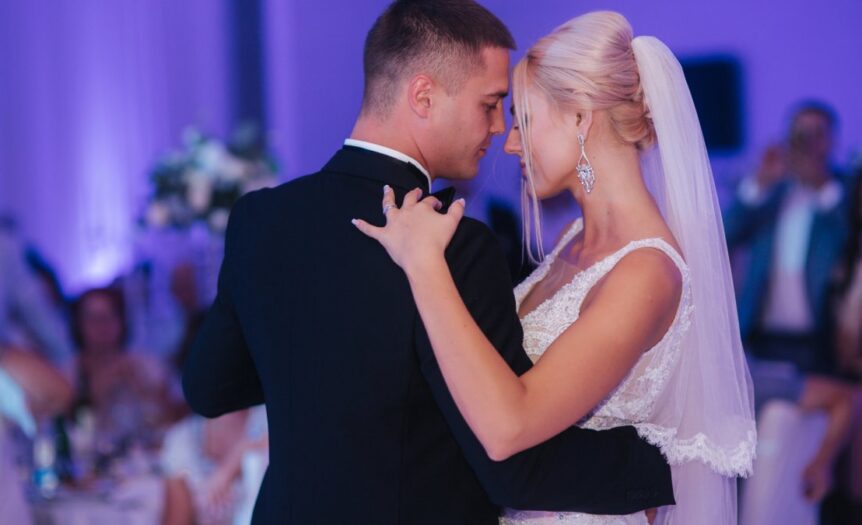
{"points": [[465, 121]]}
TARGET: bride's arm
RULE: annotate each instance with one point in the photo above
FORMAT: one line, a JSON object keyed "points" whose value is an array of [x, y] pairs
{"points": [[558, 474], [629, 312], [625, 314]]}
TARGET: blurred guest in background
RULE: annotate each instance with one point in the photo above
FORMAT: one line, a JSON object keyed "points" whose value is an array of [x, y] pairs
{"points": [[203, 459], [46, 391], [27, 317], [184, 289], [31, 388], [50, 281], [850, 290], [208, 478], [791, 215], [849, 345], [128, 391]]}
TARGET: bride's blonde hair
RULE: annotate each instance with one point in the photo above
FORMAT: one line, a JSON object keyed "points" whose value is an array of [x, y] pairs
{"points": [[585, 64]]}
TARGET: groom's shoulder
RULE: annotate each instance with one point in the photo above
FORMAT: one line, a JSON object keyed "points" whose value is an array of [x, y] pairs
{"points": [[473, 229], [478, 263], [276, 195], [473, 240]]}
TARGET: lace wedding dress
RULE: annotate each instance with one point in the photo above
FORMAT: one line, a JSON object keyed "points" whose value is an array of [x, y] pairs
{"points": [[636, 395]]}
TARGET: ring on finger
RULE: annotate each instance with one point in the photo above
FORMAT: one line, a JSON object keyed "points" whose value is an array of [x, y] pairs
{"points": [[388, 206]]}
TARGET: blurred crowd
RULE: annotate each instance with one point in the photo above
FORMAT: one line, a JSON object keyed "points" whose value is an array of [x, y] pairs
{"points": [[84, 409], [794, 228]]}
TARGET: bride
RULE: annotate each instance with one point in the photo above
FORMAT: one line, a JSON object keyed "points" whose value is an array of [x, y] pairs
{"points": [[630, 319]]}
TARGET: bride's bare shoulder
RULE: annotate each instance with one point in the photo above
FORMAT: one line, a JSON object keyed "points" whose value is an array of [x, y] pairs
{"points": [[644, 276]]}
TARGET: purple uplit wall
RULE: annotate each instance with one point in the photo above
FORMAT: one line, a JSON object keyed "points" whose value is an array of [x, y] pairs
{"points": [[314, 76], [787, 50], [93, 93]]}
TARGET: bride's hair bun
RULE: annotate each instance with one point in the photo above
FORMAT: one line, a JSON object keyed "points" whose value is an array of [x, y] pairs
{"points": [[588, 63]]}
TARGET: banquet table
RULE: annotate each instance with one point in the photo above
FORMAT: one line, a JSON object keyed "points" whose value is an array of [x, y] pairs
{"points": [[135, 501]]}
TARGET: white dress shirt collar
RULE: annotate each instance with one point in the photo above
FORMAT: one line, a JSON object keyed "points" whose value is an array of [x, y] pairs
{"points": [[788, 308], [395, 154]]}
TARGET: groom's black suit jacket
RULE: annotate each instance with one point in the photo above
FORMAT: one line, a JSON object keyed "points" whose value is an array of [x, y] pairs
{"points": [[315, 320]]}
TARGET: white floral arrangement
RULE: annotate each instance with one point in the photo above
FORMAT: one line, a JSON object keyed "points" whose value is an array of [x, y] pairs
{"points": [[201, 182]]}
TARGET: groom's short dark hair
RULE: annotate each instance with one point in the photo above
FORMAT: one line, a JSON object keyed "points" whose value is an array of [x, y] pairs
{"points": [[442, 37]]}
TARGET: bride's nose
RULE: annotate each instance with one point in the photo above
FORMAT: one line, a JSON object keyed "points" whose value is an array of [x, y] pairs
{"points": [[513, 142]]}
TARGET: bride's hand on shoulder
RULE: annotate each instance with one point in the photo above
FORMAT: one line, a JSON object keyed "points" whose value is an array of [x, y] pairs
{"points": [[415, 234]]}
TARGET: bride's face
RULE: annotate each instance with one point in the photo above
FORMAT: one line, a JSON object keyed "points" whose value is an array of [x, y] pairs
{"points": [[554, 146]]}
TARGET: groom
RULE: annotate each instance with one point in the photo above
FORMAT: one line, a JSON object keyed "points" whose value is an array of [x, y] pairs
{"points": [[313, 319]]}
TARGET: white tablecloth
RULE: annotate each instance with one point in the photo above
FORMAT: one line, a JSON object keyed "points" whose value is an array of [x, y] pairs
{"points": [[139, 501]]}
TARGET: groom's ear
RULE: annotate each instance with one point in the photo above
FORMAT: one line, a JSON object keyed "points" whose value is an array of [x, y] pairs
{"points": [[419, 95]]}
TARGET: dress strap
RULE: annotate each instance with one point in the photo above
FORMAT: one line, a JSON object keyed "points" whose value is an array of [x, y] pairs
{"points": [[539, 273], [606, 265]]}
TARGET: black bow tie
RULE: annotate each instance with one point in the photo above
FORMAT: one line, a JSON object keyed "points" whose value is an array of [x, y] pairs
{"points": [[446, 195]]}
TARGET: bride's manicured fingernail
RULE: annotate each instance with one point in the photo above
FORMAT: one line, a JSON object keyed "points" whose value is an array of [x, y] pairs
{"points": [[354, 222], [386, 189], [463, 201]]}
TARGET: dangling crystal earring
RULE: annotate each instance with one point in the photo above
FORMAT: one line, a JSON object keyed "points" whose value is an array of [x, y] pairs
{"points": [[585, 169]]}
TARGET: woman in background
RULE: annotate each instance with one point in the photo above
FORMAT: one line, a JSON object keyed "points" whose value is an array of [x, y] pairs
{"points": [[127, 390]]}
